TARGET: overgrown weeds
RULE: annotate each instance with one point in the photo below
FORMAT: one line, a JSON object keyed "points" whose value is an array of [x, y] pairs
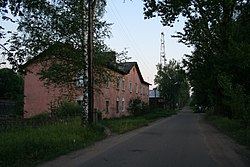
{"points": [[125, 124], [28, 146], [231, 127]]}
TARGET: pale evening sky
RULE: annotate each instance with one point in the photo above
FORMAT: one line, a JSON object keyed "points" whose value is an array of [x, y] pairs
{"points": [[141, 37]]}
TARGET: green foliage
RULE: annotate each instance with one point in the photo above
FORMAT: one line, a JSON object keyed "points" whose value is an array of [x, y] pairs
{"points": [[47, 23], [66, 109], [172, 84], [28, 146], [137, 107], [11, 88], [13, 8], [158, 113], [125, 124], [218, 67], [231, 127]]}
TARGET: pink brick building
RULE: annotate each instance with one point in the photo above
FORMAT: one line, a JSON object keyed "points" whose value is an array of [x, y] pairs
{"points": [[112, 101]]}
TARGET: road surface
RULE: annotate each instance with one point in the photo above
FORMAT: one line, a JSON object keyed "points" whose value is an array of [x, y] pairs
{"points": [[183, 140]]}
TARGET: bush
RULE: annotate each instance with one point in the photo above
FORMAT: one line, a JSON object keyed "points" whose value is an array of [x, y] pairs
{"points": [[66, 109], [137, 107]]}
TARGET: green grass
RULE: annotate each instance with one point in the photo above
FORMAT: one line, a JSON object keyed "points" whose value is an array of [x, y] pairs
{"points": [[232, 128], [122, 125], [125, 124], [28, 146]]}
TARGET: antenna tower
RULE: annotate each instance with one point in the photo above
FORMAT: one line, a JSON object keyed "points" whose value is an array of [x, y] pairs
{"points": [[163, 53]]}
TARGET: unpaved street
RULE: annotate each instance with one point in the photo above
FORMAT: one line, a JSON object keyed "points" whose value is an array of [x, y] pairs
{"points": [[184, 140]]}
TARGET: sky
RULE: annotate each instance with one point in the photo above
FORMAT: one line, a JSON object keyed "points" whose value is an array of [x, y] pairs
{"points": [[142, 38]]}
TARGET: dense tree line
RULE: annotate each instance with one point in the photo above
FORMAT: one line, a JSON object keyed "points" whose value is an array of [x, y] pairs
{"points": [[218, 67]]}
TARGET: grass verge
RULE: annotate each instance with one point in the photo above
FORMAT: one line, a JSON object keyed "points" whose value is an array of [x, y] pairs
{"points": [[28, 146], [125, 124], [232, 128]]}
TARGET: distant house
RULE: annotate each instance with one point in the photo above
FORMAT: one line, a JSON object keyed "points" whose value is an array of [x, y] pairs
{"points": [[111, 101], [155, 99]]}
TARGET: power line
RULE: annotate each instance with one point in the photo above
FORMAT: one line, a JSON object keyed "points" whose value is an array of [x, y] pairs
{"points": [[127, 35]]}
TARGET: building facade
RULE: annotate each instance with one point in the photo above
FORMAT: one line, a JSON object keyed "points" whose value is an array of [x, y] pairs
{"points": [[112, 100]]}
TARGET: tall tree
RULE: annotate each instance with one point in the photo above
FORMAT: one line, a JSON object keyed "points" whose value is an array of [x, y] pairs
{"points": [[209, 28], [172, 84]]}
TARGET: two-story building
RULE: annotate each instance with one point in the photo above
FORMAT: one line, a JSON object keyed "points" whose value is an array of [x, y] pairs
{"points": [[112, 100]]}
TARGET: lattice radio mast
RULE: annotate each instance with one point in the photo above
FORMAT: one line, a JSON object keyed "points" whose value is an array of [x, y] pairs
{"points": [[163, 53]]}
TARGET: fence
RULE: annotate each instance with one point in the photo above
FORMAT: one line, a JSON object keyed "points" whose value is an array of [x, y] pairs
{"points": [[7, 108], [32, 122]]}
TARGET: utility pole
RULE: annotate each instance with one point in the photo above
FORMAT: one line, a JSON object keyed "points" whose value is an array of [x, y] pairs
{"points": [[92, 4]]}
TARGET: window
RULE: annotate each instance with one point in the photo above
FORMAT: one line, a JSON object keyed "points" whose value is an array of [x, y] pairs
{"points": [[130, 87], [107, 106], [117, 105], [117, 83], [136, 88], [123, 84], [123, 105]]}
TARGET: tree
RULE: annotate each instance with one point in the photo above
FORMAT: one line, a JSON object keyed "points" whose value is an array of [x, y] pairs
{"points": [[59, 30], [172, 84], [211, 28], [14, 7], [47, 23], [11, 88]]}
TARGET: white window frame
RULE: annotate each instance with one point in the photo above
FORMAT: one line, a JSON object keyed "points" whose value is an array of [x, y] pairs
{"points": [[123, 104], [117, 105], [130, 87], [123, 84], [136, 88], [117, 83]]}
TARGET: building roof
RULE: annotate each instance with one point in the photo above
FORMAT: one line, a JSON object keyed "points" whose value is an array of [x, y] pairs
{"points": [[123, 68], [126, 67]]}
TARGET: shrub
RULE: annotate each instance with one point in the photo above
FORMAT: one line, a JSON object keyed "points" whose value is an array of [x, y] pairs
{"points": [[66, 109], [137, 107]]}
